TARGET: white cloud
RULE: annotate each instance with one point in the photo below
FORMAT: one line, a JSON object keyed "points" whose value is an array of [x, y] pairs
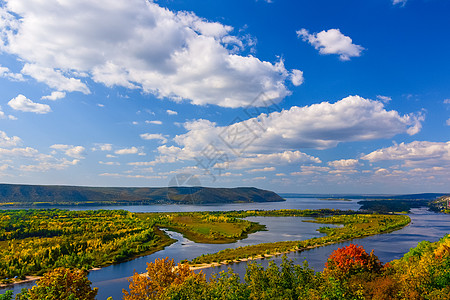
{"points": [[153, 136], [45, 166], [6, 73], [102, 147], [274, 159], [414, 153], [446, 101], [448, 122], [297, 77], [331, 41], [136, 44], [266, 169], [19, 152], [70, 150], [54, 78], [6, 141], [344, 163], [320, 126], [109, 163], [311, 170], [384, 99], [22, 103], [56, 95], [156, 122], [132, 176], [171, 112], [5, 116], [132, 150]]}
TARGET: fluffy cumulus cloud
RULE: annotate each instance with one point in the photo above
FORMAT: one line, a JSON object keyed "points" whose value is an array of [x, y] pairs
{"points": [[171, 112], [70, 150], [297, 77], [56, 95], [344, 163], [139, 45], [153, 136], [265, 169], [331, 41], [131, 150], [319, 126], [6, 141], [272, 159], [28, 159], [102, 147], [6, 73], [24, 104], [414, 153]]}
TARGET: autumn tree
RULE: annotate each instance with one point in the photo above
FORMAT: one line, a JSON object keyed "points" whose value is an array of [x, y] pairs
{"points": [[162, 275], [351, 260], [61, 283]]}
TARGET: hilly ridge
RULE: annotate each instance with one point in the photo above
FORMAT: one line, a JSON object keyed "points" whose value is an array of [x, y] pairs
{"points": [[19, 194]]}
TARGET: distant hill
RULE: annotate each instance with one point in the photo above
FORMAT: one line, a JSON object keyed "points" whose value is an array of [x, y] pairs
{"points": [[42, 195], [423, 196]]}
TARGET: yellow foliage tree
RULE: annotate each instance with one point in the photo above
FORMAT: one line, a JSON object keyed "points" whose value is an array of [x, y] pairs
{"points": [[161, 275]]}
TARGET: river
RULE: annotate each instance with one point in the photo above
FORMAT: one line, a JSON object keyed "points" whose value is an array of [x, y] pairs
{"points": [[424, 226]]}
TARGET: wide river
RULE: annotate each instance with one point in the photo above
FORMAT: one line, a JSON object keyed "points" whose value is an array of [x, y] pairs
{"points": [[424, 226]]}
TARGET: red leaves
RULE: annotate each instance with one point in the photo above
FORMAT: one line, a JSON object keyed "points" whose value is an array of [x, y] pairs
{"points": [[350, 260]]}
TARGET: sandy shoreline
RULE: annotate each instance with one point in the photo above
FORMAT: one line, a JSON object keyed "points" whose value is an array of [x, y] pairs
{"points": [[19, 281]]}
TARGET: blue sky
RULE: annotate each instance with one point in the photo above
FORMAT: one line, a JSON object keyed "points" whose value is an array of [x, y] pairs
{"points": [[293, 96]]}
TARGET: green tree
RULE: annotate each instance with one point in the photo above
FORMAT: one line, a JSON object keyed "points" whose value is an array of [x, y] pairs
{"points": [[6, 296]]}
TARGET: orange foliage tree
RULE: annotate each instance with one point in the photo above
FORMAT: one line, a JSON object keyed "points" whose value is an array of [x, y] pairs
{"points": [[350, 260], [161, 275]]}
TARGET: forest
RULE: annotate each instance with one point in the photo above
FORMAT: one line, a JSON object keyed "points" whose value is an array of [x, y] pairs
{"points": [[38, 240], [350, 273]]}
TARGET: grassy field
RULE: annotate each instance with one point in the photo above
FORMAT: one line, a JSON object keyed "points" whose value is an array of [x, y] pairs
{"points": [[207, 227]]}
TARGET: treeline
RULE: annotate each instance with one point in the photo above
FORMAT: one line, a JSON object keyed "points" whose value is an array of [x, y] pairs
{"points": [[34, 241], [350, 273]]}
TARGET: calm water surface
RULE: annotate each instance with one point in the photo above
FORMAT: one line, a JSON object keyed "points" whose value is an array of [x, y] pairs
{"points": [[424, 226]]}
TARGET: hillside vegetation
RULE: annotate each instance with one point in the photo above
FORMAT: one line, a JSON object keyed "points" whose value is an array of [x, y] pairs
{"points": [[42, 195]]}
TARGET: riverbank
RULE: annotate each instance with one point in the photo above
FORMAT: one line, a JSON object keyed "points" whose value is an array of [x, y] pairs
{"points": [[355, 226], [19, 281]]}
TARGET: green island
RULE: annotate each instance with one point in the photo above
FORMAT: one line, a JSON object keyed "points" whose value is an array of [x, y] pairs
{"points": [[354, 226], [35, 241]]}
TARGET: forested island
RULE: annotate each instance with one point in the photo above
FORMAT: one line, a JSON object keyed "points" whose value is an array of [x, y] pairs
{"points": [[48, 195]]}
